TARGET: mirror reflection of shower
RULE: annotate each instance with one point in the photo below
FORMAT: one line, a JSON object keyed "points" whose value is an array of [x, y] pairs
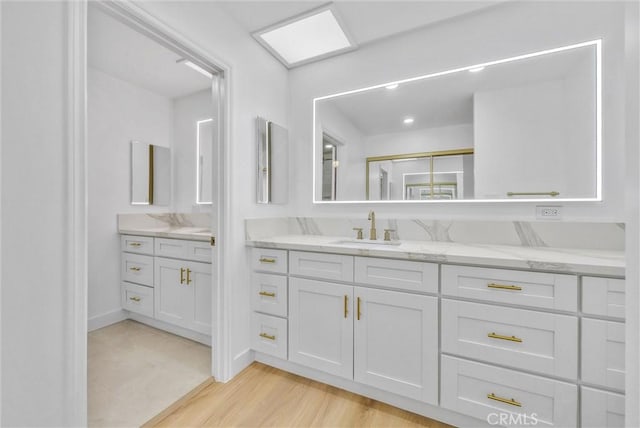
{"points": [[330, 165]]}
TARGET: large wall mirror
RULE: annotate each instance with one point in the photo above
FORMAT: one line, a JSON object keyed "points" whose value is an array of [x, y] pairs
{"points": [[150, 174], [525, 128]]}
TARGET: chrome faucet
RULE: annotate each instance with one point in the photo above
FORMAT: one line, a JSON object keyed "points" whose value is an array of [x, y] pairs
{"points": [[372, 232]]}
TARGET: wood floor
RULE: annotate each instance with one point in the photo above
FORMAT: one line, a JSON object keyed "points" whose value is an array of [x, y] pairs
{"points": [[262, 396]]}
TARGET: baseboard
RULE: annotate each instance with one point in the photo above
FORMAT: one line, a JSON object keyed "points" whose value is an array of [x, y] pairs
{"points": [[179, 331], [428, 410], [104, 320], [241, 362]]}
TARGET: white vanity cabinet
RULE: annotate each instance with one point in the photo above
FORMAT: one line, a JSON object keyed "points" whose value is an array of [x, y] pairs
{"points": [[183, 293], [539, 347], [371, 331], [167, 280]]}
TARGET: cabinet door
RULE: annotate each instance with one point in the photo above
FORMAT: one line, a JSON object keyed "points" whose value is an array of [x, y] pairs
{"points": [[601, 409], [199, 279], [173, 296], [396, 343], [321, 326], [603, 349]]}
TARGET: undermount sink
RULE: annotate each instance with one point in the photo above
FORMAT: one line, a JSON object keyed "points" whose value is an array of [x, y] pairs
{"points": [[364, 242]]}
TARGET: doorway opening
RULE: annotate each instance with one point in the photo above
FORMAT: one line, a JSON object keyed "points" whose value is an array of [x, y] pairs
{"points": [[155, 127]]}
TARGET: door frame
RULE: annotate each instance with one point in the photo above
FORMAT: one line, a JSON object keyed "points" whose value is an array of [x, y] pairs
{"points": [[126, 11]]}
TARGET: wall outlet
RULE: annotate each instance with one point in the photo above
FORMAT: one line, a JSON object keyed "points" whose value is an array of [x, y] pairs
{"points": [[550, 212]]}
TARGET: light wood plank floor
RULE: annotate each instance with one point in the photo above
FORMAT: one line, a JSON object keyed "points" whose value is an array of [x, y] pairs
{"points": [[262, 396]]}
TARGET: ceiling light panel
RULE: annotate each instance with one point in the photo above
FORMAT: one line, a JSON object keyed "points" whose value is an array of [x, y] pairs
{"points": [[313, 36]]}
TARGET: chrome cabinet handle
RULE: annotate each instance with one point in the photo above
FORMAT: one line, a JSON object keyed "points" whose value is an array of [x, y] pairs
{"points": [[267, 294], [268, 336], [504, 286], [501, 337], [510, 401]]}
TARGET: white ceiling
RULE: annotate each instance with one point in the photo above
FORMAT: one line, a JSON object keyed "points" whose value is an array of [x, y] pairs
{"points": [[126, 54], [366, 21]]}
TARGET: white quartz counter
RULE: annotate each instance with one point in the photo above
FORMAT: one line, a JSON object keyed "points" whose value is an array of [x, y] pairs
{"points": [[190, 233], [594, 262]]}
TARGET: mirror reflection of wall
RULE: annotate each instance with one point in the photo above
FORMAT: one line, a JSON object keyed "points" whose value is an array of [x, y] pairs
{"points": [[530, 122]]}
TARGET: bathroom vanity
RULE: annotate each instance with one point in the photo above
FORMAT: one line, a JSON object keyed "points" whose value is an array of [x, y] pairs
{"points": [[447, 329], [166, 278]]}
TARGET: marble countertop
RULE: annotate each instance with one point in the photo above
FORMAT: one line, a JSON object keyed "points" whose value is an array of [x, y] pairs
{"points": [[177, 232], [594, 262]]}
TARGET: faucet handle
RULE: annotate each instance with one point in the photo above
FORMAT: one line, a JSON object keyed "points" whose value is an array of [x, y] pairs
{"points": [[359, 230], [387, 234]]}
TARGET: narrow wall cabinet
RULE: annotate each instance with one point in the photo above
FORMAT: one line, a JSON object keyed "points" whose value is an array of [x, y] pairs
{"points": [[167, 280], [476, 341]]}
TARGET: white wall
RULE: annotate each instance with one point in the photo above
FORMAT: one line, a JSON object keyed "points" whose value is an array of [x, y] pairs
{"points": [[187, 111], [36, 332], [632, 235], [117, 112], [258, 87], [530, 26]]}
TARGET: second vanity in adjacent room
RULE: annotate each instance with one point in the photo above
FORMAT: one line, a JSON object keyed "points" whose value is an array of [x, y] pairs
{"points": [[450, 325]]}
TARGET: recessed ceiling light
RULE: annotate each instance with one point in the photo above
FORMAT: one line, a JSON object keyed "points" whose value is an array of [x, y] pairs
{"points": [[328, 146], [408, 120], [311, 36], [393, 86], [476, 69]]}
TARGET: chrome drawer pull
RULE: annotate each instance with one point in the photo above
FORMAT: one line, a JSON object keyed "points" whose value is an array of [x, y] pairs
{"points": [[268, 336], [135, 269], [267, 294], [135, 299], [504, 287], [510, 401], [501, 337], [267, 260]]}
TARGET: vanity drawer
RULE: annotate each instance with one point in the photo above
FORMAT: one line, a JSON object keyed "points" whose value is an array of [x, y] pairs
{"points": [[269, 294], [269, 335], [601, 409], [137, 268], [484, 391], [136, 244], [536, 341], [399, 274], [137, 298], [321, 265], [540, 290], [175, 248], [603, 296], [269, 260], [603, 350]]}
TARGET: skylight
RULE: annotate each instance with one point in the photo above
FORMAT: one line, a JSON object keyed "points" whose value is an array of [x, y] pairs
{"points": [[304, 39]]}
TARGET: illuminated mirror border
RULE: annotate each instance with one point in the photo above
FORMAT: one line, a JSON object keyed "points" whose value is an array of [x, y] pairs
{"points": [[598, 46]]}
